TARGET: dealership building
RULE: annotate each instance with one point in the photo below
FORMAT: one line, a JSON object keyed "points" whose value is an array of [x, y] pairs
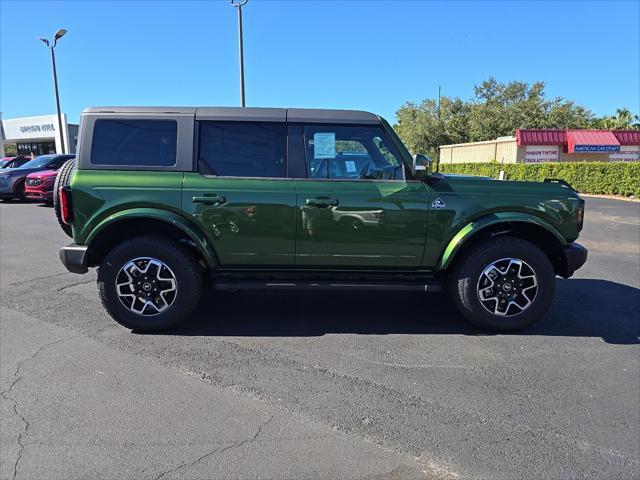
{"points": [[38, 135], [536, 146]]}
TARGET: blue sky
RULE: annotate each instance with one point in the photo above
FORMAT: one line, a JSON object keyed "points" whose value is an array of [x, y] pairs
{"points": [[371, 55]]}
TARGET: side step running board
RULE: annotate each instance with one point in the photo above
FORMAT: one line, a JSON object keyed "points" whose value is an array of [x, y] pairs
{"points": [[239, 284]]}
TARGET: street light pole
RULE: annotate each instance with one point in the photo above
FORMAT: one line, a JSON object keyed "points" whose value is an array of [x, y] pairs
{"points": [[59, 34], [238, 4]]}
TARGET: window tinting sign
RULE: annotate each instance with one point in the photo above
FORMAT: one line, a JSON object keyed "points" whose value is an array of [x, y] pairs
{"points": [[324, 145], [537, 154]]}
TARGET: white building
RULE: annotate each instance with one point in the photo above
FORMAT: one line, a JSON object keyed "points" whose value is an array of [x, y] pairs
{"points": [[39, 135]]}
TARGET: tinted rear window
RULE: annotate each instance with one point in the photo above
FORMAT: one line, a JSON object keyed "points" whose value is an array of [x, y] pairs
{"points": [[121, 142], [243, 149]]}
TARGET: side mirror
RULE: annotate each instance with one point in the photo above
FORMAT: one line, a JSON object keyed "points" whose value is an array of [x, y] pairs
{"points": [[421, 165]]}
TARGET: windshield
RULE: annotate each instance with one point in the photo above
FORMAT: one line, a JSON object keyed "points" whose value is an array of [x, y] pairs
{"points": [[38, 162]]}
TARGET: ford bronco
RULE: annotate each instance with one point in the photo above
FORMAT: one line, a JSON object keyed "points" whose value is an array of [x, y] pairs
{"points": [[164, 201]]}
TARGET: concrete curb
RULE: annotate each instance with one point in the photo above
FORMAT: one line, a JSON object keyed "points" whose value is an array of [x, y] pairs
{"points": [[611, 197]]}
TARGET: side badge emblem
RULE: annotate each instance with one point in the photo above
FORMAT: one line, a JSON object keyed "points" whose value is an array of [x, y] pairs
{"points": [[438, 203]]}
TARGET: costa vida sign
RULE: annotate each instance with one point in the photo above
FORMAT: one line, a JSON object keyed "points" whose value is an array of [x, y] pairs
{"points": [[43, 127]]}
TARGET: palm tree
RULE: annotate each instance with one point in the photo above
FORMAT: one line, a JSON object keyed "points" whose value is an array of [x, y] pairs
{"points": [[622, 120]]}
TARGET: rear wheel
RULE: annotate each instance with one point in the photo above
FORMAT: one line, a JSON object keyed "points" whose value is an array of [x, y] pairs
{"points": [[62, 179], [149, 283], [504, 284]]}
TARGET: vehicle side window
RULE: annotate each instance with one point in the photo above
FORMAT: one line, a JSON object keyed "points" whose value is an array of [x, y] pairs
{"points": [[350, 152], [57, 163], [123, 142], [243, 149]]}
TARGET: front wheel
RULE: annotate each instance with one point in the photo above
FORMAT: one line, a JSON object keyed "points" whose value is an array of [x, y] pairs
{"points": [[149, 283], [504, 284], [19, 192]]}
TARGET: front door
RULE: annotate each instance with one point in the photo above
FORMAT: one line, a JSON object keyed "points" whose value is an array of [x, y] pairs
{"points": [[240, 197], [356, 209]]}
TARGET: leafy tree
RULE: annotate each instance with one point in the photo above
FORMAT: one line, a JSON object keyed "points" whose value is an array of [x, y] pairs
{"points": [[497, 109], [423, 128]]}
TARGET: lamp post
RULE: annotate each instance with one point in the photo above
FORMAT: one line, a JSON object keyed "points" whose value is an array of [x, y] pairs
{"points": [[58, 35], [238, 4]]}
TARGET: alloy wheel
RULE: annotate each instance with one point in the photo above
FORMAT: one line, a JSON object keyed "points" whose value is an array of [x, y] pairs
{"points": [[507, 287], [146, 286]]}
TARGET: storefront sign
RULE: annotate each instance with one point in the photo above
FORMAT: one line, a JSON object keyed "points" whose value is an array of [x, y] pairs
{"points": [[541, 154], [44, 127], [596, 148], [627, 153]]}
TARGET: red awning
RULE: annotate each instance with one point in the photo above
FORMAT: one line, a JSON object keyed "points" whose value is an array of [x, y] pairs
{"points": [[627, 137], [592, 141], [541, 137]]}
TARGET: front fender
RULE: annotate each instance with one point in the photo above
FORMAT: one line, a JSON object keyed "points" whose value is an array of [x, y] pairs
{"points": [[200, 240], [472, 228]]}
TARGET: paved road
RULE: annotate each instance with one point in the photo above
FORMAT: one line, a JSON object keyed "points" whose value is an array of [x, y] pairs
{"points": [[306, 385]]}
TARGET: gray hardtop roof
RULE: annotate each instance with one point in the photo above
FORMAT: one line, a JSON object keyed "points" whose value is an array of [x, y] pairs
{"points": [[244, 114]]}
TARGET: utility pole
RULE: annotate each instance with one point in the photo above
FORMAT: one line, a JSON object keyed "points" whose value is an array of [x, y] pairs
{"points": [[59, 34], [439, 132], [238, 4]]}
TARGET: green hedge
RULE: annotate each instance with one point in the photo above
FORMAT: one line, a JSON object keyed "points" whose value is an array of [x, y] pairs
{"points": [[608, 178]]}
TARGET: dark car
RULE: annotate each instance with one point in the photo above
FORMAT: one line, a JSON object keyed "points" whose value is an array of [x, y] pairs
{"points": [[14, 162], [12, 180]]}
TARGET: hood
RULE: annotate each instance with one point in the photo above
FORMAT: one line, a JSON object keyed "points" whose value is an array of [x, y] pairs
{"points": [[19, 171], [43, 174]]}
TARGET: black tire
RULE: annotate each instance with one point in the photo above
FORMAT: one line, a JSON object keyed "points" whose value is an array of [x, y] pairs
{"points": [[62, 179], [466, 277], [19, 192], [181, 264]]}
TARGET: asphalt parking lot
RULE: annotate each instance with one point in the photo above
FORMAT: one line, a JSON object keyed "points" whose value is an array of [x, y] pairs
{"points": [[318, 385]]}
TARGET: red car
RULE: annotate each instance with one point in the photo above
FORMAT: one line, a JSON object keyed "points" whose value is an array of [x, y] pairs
{"points": [[39, 185]]}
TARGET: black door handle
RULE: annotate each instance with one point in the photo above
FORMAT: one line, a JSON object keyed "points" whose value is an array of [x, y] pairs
{"points": [[210, 200]]}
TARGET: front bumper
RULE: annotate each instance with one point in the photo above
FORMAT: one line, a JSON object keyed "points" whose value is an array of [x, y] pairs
{"points": [[74, 258], [574, 256], [39, 194]]}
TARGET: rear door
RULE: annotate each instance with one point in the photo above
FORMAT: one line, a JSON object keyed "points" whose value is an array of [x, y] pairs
{"points": [[241, 196], [356, 208]]}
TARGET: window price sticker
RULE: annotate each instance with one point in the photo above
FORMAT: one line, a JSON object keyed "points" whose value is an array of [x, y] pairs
{"points": [[324, 145]]}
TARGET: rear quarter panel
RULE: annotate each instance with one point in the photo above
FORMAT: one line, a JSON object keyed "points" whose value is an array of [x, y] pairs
{"points": [[98, 194]]}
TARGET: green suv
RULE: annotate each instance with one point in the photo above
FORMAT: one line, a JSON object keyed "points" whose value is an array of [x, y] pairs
{"points": [[167, 200]]}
